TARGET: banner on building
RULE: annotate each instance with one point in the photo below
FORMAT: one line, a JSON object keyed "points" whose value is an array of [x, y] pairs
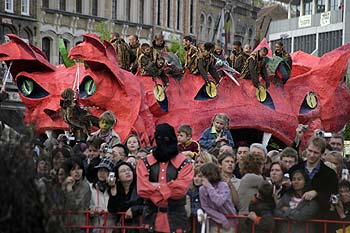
{"points": [[220, 34], [325, 18], [304, 21]]}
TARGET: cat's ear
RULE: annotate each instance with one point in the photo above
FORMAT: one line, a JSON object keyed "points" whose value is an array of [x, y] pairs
{"points": [[98, 56], [24, 56]]}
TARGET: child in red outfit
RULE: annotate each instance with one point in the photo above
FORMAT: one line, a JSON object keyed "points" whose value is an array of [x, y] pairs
{"points": [[186, 145]]}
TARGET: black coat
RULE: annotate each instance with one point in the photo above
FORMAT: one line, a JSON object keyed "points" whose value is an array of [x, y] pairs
{"points": [[122, 202], [325, 183]]}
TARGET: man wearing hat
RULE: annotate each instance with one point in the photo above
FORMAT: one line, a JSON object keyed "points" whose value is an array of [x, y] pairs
{"points": [[163, 179]]}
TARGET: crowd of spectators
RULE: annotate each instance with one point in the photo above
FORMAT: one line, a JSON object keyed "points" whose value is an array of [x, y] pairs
{"points": [[98, 177]]}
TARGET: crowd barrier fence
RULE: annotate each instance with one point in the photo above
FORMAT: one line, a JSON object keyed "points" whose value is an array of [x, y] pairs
{"points": [[342, 226]]}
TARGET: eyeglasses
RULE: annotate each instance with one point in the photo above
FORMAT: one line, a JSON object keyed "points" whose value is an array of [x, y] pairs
{"points": [[125, 170]]}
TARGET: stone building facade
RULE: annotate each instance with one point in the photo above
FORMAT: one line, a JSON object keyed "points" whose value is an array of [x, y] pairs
{"points": [[44, 22], [16, 17], [240, 16]]}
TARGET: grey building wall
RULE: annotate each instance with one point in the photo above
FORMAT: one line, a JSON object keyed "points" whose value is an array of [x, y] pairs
{"points": [[316, 39]]}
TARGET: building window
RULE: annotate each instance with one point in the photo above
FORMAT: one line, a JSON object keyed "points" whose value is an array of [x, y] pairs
{"points": [[9, 6], [128, 9], [79, 6], [25, 7], [63, 5], [209, 26], [168, 24], [159, 8], [46, 4], [201, 27], [192, 15], [240, 11], [334, 5], [142, 10], [321, 6], [178, 14], [308, 8], [114, 9], [46, 47], [94, 7]]}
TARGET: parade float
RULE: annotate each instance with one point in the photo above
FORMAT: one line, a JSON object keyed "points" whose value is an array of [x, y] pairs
{"points": [[316, 94]]}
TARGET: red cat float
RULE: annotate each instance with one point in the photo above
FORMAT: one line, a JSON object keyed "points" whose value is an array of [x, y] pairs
{"points": [[316, 94]]}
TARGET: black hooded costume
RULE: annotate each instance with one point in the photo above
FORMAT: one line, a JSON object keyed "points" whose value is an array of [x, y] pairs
{"points": [[163, 179]]}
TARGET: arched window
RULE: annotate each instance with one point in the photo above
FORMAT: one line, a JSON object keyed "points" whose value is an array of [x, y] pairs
{"points": [[26, 34], [8, 29], [192, 16], [209, 28], [46, 47], [202, 27]]}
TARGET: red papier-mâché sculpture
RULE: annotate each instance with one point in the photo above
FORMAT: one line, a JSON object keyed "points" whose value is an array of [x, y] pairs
{"points": [[315, 95]]}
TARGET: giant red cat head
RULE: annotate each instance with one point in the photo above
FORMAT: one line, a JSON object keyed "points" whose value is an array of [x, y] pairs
{"points": [[104, 86]]}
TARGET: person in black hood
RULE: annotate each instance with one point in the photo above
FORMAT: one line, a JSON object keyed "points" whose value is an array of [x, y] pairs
{"points": [[163, 179], [166, 141]]}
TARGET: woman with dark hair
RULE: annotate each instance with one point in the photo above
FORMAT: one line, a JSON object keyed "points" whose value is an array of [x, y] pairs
{"points": [[76, 191], [57, 188], [100, 192], [58, 157], [124, 197], [296, 209], [216, 199]]}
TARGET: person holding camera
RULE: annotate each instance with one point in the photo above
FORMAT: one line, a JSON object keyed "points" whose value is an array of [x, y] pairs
{"points": [[323, 180], [100, 192], [343, 205], [279, 179], [293, 207], [340, 205], [299, 133], [124, 197]]}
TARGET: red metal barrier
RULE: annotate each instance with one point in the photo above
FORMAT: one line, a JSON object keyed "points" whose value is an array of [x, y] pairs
{"points": [[123, 227], [105, 215]]}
